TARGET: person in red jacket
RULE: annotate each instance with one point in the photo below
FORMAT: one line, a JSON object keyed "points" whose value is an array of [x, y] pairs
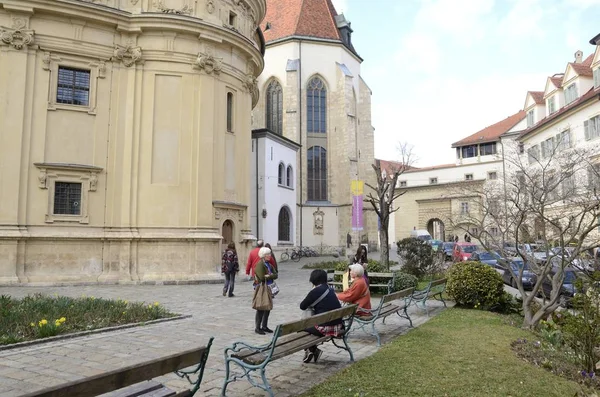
{"points": [[253, 258]]}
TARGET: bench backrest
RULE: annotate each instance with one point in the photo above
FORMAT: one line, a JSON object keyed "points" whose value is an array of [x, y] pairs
{"points": [[299, 325], [405, 293], [127, 376], [382, 275], [437, 283]]}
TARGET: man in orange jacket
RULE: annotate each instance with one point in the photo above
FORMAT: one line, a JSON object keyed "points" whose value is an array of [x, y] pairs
{"points": [[253, 258]]}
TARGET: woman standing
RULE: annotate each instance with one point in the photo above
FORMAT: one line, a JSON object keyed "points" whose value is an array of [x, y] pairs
{"points": [[264, 272], [273, 260], [321, 299], [361, 259], [229, 267], [359, 290]]}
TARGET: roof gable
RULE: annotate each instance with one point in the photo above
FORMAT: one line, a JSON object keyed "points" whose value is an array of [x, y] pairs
{"points": [[596, 59], [578, 69], [307, 18], [533, 98], [552, 84], [492, 132]]}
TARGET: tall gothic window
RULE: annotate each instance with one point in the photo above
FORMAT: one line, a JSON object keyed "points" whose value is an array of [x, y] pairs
{"points": [[317, 173], [281, 174], [316, 107], [275, 107], [284, 229]]}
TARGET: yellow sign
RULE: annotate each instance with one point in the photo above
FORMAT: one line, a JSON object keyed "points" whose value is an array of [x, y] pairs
{"points": [[357, 188]]}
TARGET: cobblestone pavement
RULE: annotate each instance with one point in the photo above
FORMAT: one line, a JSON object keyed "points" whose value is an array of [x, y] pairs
{"points": [[35, 367]]}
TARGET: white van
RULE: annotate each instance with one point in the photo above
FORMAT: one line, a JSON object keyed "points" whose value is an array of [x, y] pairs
{"points": [[420, 234]]}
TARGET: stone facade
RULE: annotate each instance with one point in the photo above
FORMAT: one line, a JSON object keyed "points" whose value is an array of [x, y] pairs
{"points": [[124, 127]]}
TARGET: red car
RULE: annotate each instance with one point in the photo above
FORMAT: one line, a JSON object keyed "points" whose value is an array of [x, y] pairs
{"points": [[462, 251]]}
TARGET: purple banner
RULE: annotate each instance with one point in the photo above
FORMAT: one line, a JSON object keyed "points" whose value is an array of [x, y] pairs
{"points": [[357, 212]]}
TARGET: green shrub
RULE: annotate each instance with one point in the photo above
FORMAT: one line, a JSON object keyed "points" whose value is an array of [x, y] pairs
{"points": [[417, 256], [404, 281], [474, 285]]}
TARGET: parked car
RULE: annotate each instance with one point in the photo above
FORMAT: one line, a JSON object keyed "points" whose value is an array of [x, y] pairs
{"points": [[448, 248], [436, 245], [462, 251], [420, 234], [567, 290], [488, 258], [528, 278]]}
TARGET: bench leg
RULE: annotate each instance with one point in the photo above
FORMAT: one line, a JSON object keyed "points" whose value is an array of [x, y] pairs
{"points": [[441, 298], [267, 386], [406, 316], [345, 347], [247, 371], [227, 380]]}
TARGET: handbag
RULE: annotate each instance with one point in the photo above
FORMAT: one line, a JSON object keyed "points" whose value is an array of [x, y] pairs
{"points": [[262, 299], [274, 288], [311, 308]]}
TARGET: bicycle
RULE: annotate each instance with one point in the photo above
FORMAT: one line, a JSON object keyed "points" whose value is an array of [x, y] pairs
{"points": [[296, 255], [285, 256]]}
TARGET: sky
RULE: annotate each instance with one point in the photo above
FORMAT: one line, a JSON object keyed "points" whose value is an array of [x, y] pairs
{"points": [[441, 70]]}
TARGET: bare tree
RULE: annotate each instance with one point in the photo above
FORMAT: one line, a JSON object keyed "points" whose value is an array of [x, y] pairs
{"points": [[549, 199], [385, 192]]}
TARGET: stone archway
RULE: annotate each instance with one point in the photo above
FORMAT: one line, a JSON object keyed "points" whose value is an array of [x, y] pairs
{"points": [[227, 233], [437, 229]]}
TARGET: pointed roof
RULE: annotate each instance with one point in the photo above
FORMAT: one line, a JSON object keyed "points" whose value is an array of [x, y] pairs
{"points": [[583, 68], [557, 79], [538, 96], [492, 132], [307, 18]]}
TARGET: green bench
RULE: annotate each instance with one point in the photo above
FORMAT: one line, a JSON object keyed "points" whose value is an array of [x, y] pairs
{"points": [[136, 380], [287, 339], [389, 284], [435, 289], [401, 300]]}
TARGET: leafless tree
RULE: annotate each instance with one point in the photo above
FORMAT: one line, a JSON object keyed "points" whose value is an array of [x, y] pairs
{"points": [[382, 195], [549, 199]]}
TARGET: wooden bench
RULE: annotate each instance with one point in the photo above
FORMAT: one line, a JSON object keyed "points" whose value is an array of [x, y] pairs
{"points": [[287, 339], [434, 289], [401, 299], [391, 276], [136, 380]]}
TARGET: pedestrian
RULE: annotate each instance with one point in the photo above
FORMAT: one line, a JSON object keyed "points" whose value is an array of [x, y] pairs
{"points": [[348, 240], [253, 258], [229, 267], [274, 261], [321, 299], [358, 292], [456, 239], [361, 259], [466, 237], [264, 272]]}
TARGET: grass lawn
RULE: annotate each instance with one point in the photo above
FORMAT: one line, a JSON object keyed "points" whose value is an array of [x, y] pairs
{"points": [[40, 316], [460, 352]]}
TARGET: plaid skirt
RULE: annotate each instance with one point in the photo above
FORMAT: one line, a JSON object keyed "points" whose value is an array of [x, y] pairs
{"points": [[331, 330]]}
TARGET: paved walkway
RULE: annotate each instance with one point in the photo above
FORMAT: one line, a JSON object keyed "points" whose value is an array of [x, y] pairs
{"points": [[228, 319]]}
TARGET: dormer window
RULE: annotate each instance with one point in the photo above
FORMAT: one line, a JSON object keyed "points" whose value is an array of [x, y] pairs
{"points": [[596, 77], [530, 118], [469, 151], [551, 105], [571, 93]]}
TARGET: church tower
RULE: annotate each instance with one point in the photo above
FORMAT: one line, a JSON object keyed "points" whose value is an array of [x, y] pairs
{"points": [[312, 93]]}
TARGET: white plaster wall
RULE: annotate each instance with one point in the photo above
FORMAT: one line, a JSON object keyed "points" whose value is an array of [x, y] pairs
{"points": [[452, 174]]}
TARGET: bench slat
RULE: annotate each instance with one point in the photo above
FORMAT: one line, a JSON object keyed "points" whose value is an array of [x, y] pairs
{"points": [[299, 325], [303, 341], [136, 390], [397, 295], [120, 378], [281, 342]]}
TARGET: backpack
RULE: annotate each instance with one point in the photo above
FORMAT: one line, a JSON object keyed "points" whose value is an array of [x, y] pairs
{"points": [[229, 262]]}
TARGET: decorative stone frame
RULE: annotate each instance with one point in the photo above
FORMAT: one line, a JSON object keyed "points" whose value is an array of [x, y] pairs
{"points": [[50, 173], [97, 68]]}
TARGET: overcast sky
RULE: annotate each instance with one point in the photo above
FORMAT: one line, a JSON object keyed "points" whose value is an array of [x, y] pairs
{"points": [[441, 70]]}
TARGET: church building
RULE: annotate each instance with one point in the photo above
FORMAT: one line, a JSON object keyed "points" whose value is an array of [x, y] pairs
{"points": [[312, 93]]}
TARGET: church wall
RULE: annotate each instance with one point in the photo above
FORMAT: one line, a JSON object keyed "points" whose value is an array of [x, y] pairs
{"points": [[159, 172]]}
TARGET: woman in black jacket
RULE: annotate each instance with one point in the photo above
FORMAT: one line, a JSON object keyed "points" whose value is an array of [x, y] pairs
{"points": [[321, 299]]}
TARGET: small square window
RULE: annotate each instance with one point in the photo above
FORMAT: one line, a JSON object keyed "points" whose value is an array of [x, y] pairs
{"points": [[73, 86], [521, 148], [468, 177], [67, 198], [402, 183], [232, 18], [464, 207], [492, 175], [433, 181]]}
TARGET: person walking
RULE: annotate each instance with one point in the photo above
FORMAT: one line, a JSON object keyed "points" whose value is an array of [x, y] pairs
{"points": [[264, 272], [321, 299], [229, 267], [253, 258], [348, 240]]}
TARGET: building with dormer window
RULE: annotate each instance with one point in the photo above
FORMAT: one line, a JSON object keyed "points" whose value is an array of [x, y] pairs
{"points": [[312, 94]]}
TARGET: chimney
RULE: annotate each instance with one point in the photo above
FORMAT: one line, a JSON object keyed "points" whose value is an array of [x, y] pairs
{"points": [[578, 56]]}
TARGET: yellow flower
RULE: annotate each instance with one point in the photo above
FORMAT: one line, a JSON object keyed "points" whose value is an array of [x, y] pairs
{"points": [[156, 304], [32, 324], [124, 312], [57, 323], [43, 322], [92, 298], [149, 306], [61, 320], [126, 302]]}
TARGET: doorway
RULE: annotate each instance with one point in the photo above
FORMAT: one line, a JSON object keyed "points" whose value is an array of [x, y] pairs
{"points": [[227, 233], [436, 229]]}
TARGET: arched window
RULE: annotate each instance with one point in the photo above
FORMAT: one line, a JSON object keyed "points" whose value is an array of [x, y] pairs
{"points": [[316, 107], [281, 174], [289, 176], [317, 173], [284, 231], [275, 107]]}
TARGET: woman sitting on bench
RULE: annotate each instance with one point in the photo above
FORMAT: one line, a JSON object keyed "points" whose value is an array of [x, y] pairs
{"points": [[359, 290], [321, 299]]}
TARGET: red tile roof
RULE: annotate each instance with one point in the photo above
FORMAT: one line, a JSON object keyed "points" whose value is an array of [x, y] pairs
{"points": [[308, 18], [557, 79], [493, 132], [584, 98], [538, 96], [583, 68], [391, 166]]}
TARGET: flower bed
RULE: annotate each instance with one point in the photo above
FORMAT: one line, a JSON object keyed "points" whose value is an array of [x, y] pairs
{"points": [[41, 316]]}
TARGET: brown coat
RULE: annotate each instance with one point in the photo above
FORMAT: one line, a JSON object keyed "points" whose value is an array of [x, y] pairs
{"points": [[357, 293]]}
